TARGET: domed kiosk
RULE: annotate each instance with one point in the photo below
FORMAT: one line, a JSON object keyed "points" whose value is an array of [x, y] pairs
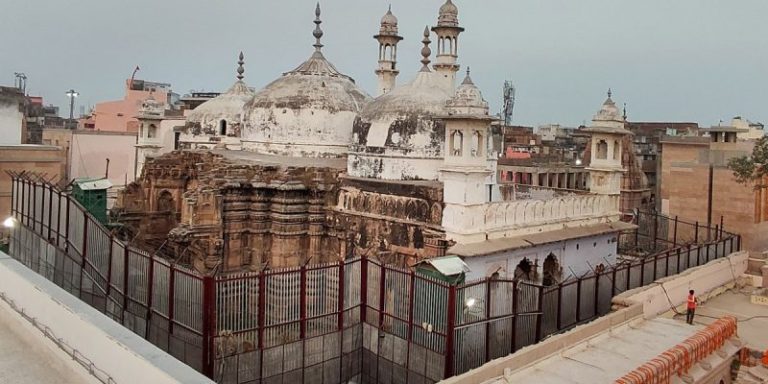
{"points": [[220, 118]]}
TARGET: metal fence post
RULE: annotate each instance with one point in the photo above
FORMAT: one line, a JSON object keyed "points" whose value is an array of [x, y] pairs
{"points": [[696, 233], [50, 210], [412, 300], [109, 266], [209, 325], [126, 266], [341, 318], [363, 289], [83, 254], [515, 292], [706, 259], [171, 298], [450, 330], [674, 234], [261, 319], [487, 321], [597, 294], [539, 315], [303, 302], [150, 292], [558, 321]]}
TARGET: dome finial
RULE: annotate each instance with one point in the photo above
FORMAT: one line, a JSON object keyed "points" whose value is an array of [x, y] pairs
{"points": [[317, 33], [467, 79], [240, 69], [426, 51], [609, 93]]}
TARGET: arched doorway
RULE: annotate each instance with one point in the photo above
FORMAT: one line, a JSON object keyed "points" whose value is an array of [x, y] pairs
{"points": [[525, 270], [553, 272]]}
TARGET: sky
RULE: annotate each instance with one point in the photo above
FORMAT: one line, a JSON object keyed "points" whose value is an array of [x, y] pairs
{"points": [[683, 60]]}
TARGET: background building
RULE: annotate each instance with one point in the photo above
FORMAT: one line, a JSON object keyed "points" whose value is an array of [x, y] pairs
{"points": [[696, 184]]}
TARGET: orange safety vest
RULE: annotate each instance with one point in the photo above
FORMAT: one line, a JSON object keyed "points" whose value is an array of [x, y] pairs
{"points": [[691, 302]]}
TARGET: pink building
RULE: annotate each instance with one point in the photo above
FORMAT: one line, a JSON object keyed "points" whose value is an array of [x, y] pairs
{"points": [[120, 115]]}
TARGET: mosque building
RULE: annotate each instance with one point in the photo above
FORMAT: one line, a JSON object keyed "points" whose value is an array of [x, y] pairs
{"points": [[312, 169]]}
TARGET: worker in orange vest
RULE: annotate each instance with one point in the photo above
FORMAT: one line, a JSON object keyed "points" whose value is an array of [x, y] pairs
{"points": [[764, 360], [692, 301]]}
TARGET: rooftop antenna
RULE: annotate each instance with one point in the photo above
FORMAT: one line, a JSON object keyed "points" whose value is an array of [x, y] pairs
{"points": [[509, 102]]}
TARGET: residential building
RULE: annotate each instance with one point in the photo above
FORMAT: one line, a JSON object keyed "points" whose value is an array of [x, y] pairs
{"points": [[696, 183], [120, 115]]}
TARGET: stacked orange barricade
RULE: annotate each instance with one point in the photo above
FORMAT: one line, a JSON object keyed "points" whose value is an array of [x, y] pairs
{"points": [[680, 358]]}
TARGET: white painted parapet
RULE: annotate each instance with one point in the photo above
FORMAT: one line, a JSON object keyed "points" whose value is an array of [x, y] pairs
{"points": [[115, 350], [474, 223]]}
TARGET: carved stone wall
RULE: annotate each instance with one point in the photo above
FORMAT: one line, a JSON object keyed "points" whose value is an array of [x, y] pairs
{"points": [[398, 222], [221, 214]]}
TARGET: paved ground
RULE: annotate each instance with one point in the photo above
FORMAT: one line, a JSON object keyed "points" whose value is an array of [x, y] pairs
{"points": [[25, 359], [753, 331]]}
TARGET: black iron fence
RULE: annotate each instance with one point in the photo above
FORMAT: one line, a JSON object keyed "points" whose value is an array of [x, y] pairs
{"points": [[354, 320]]}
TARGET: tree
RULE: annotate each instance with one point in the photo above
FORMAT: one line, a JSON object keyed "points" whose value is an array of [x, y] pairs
{"points": [[752, 169]]}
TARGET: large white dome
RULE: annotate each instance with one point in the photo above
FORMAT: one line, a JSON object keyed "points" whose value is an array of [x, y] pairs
{"points": [[398, 136], [307, 112]]}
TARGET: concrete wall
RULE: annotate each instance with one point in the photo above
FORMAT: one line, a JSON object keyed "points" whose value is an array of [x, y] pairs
{"points": [[578, 254], [11, 123], [43, 159], [91, 149], [117, 351], [705, 280], [553, 345]]}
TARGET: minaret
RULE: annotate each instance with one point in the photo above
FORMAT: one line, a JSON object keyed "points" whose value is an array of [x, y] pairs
{"points": [[465, 168], [607, 133], [447, 31], [388, 38]]}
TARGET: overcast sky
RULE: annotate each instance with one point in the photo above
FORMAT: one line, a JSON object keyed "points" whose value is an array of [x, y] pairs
{"points": [[681, 60]]}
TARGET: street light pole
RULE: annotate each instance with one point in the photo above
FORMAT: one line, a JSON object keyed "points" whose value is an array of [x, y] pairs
{"points": [[72, 94]]}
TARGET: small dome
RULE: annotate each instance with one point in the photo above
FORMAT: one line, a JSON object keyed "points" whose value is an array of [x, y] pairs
{"points": [[389, 20], [449, 15], [609, 111], [227, 106], [468, 100]]}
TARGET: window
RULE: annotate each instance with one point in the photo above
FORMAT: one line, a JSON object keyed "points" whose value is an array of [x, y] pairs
{"points": [[601, 151], [223, 127], [152, 131], [477, 144], [616, 150], [457, 143]]}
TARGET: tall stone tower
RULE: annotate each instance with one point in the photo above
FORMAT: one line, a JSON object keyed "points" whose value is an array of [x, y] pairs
{"points": [[465, 168], [605, 166], [388, 38], [447, 31]]}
